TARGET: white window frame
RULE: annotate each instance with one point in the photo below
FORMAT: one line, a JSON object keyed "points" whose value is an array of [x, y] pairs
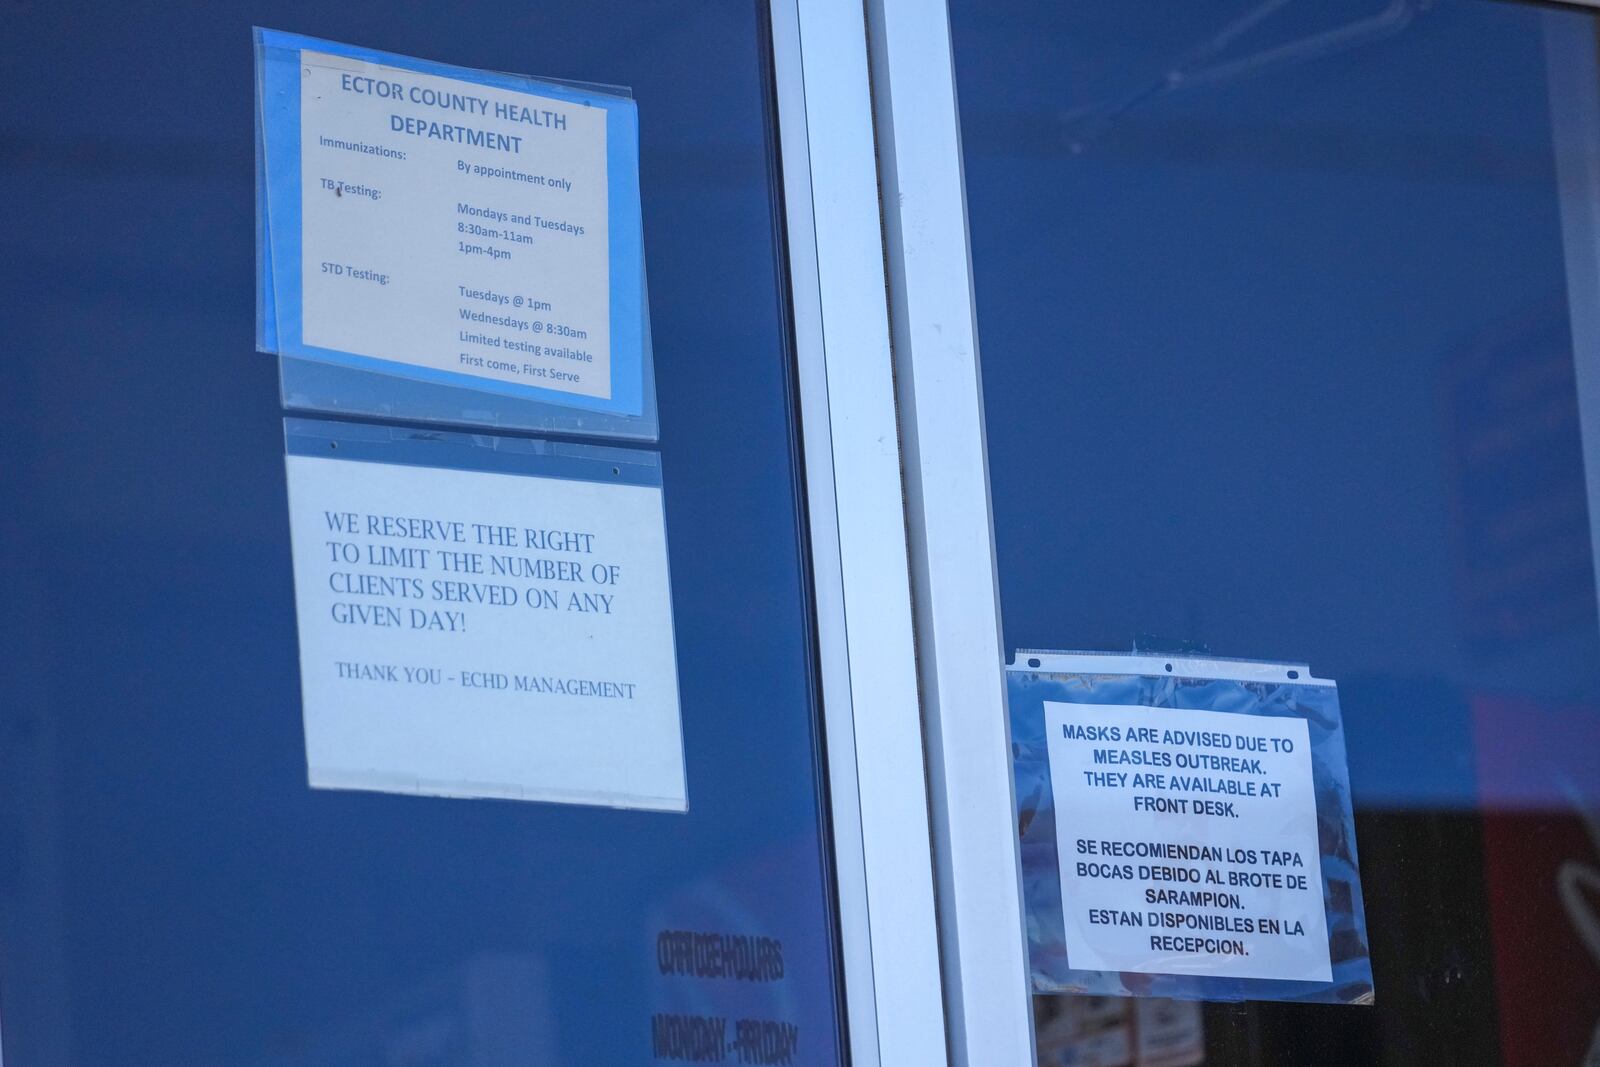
{"points": [[902, 544], [954, 578]]}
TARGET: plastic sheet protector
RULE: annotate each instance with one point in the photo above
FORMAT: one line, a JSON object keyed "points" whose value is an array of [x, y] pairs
{"points": [[475, 234], [1186, 829], [483, 617]]}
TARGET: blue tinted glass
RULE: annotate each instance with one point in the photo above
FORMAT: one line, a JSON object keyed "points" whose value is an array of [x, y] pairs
{"points": [[1279, 362], [170, 889]]}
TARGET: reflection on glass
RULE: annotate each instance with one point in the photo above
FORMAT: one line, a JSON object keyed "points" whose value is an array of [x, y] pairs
{"points": [[1118, 1032], [1286, 334], [171, 891]]}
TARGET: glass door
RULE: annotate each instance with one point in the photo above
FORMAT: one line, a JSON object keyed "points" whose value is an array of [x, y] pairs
{"points": [[172, 890], [1288, 355]]}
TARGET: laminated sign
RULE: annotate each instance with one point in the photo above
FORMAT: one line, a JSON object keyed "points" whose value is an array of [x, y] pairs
{"points": [[454, 227], [1186, 829], [483, 617]]}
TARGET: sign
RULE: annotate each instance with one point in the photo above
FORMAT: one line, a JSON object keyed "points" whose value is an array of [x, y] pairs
{"points": [[1187, 842], [1186, 829], [477, 633], [451, 225]]}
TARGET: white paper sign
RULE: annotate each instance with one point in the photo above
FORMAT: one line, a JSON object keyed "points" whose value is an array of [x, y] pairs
{"points": [[477, 634], [1187, 842], [454, 225]]}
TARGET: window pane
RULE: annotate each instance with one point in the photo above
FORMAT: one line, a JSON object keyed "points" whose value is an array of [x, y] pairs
{"points": [[1279, 363], [171, 891]]}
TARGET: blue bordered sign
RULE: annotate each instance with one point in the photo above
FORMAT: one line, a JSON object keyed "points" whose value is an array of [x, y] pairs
{"points": [[450, 226]]}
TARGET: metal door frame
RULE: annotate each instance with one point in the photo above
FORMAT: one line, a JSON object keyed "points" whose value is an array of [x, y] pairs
{"points": [[856, 508]]}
